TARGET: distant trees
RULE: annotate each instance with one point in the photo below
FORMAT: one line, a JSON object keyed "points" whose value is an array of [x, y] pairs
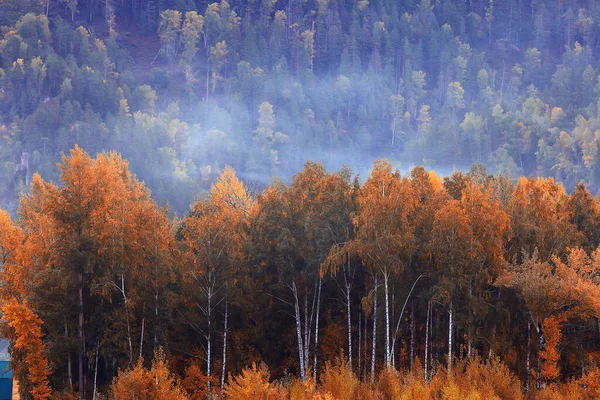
{"points": [[430, 83]]}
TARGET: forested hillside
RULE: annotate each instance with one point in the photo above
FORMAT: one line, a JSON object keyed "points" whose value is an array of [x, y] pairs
{"points": [[182, 88], [471, 285]]}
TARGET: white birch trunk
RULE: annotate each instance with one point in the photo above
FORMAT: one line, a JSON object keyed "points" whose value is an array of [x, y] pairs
{"points": [[393, 340], [373, 352], [223, 369], [450, 340], [142, 337], [299, 333], [96, 372], [317, 330], [307, 324], [209, 331], [387, 321], [426, 359], [349, 325], [412, 334]]}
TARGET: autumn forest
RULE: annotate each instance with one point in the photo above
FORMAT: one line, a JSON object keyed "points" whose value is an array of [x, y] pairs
{"points": [[300, 199], [401, 286]]}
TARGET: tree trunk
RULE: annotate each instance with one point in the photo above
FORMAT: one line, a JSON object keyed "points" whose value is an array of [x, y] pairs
{"points": [[307, 326], [81, 339], [142, 336], [359, 369], [469, 343], [129, 341], [156, 290], [450, 339], [412, 334], [299, 332], [349, 325], [208, 339], [426, 359], [373, 352], [437, 344], [393, 340], [387, 320], [69, 373], [469, 331], [365, 340], [207, 76], [155, 321], [527, 361], [96, 371], [317, 330], [224, 344]]}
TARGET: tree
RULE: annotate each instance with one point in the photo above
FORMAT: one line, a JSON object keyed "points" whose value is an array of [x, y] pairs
{"points": [[190, 35], [169, 31], [29, 360], [540, 219], [266, 138], [397, 112], [80, 244], [384, 237], [308, 45], [296, 227], [140, 383], [252, 383], [468, 248], [554, 291], [454, 96], [212, 239]]}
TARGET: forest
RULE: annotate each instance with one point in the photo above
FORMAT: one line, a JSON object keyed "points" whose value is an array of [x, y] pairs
{"points": [[404, 286], [172, 227], [182, 88]]}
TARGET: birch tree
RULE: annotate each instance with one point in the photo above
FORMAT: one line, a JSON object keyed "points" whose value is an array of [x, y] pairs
{"points": [[384, 237]]}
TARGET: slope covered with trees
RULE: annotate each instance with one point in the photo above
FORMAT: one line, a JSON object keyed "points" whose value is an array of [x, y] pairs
{"points": [[182, 88], [471, 284]]}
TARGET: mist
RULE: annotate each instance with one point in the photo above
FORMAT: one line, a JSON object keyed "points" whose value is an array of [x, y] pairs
{"points": [[191, 87]]}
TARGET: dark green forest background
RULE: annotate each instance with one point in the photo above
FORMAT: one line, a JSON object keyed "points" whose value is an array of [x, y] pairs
{"points": [[181, 88]]}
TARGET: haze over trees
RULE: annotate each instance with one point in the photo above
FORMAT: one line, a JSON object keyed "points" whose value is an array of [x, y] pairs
{"points": [[183, 88]]}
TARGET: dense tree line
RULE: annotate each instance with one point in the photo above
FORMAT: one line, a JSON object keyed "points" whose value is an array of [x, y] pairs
{"points": [[402, 272], [183, 88]]}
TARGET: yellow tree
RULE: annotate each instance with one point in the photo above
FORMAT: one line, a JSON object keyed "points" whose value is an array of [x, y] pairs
{"points": [[294, 229], [384, 235], [467, 247], [555, 291], [212, 236], [82, 245], [541, 219], [29, 358], [140, 383], [20, 324]]}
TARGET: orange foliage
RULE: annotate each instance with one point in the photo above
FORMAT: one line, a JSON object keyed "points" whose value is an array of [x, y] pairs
{"points": [[140, 383], [550, 354], [540, 215], [338, 380], [26, 333], [252, 383], [195, 382]]}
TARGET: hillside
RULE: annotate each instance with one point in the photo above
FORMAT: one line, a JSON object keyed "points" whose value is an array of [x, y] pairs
{"points": [[183, 89]]}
